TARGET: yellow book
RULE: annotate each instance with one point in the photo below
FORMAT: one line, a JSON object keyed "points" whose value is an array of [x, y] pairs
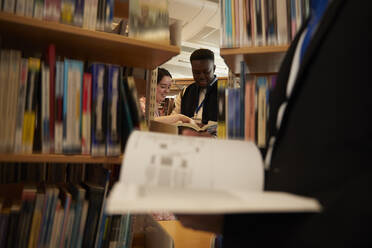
{"points": [[28, 130]]}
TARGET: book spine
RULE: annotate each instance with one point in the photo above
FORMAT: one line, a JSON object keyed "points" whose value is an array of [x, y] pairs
{"points": [[30, 109], [86, 114], [86, 13], [98, 96], [261, 115], [6, 101], [282, 22], [48, 10], [93, 15], [109, 15], [72, 106], [21, 7], [52, 90], [29, 9], [4, 63], [113, 133], [67, 11], [221, 117], [45, 107], [58, 125], [12, 93], [84, 214], [79, 12], [39, 9], [9, 6], [57, 10], [21, 105]]}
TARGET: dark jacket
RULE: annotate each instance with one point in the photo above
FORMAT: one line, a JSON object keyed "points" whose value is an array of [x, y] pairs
{"points": [[323, 146], [190, 100]]}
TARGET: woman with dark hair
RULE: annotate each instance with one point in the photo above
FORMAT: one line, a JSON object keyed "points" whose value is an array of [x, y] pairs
{"points": [[164, 82]]}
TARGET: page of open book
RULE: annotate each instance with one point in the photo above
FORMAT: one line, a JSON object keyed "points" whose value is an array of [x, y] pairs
{"points": [[162, 172], [156, 159]]}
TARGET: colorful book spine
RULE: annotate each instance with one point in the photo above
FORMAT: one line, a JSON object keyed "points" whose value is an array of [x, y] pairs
{"points": [[58, 124], [250, 109], [99, 86], [21, 105], [30, 109], [86, 114], [113, 131], [57, 10], [282, 22], [109, 15], [93, 15], [67, 11], [73, 80]]}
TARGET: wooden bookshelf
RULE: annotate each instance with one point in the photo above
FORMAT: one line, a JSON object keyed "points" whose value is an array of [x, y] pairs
{"points": [[258, 59], [58, 158], [30, 34]]}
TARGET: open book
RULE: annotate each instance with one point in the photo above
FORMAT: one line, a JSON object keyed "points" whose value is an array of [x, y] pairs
{"points": [[162, 172], [177, 127]]}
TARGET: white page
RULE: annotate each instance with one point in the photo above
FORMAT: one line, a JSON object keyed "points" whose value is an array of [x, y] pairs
{"points": [[158, 159]]}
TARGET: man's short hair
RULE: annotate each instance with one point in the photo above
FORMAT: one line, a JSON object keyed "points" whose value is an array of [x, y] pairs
{"points": [[202, 54]]}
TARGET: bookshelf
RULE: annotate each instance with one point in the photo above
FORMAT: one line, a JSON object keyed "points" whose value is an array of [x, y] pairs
{"points": [[266, 59], [84, 44], [77, 43], [58, 158]]}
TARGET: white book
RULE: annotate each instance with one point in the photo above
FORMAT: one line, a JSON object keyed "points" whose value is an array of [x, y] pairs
{"points": [[179, 174], [93, 14], [21, 104], [86, 15]]}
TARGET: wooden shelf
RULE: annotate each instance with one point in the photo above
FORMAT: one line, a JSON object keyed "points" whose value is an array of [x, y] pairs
{"points": [[79, 43], [258, 59], [57, 158]]}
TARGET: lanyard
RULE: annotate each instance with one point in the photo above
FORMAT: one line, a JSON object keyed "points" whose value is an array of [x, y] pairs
{"points": [[202, 103]]}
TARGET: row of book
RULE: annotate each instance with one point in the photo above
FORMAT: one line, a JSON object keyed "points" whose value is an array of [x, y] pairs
{"points": [[89, 14], [62, 214], [243, 111], [54, 105], [248, 23]]}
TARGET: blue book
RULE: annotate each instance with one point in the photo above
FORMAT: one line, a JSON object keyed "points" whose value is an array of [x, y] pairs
{"points": [[72, 106], [99, 109]]}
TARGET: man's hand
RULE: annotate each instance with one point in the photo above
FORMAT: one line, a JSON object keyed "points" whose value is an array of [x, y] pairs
{"points": [[203, 222]]}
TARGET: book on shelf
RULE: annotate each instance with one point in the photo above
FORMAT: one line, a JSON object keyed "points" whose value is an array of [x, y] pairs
{"points": [[261, 22], [149, 20], [163, 172], [178, 127]]}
